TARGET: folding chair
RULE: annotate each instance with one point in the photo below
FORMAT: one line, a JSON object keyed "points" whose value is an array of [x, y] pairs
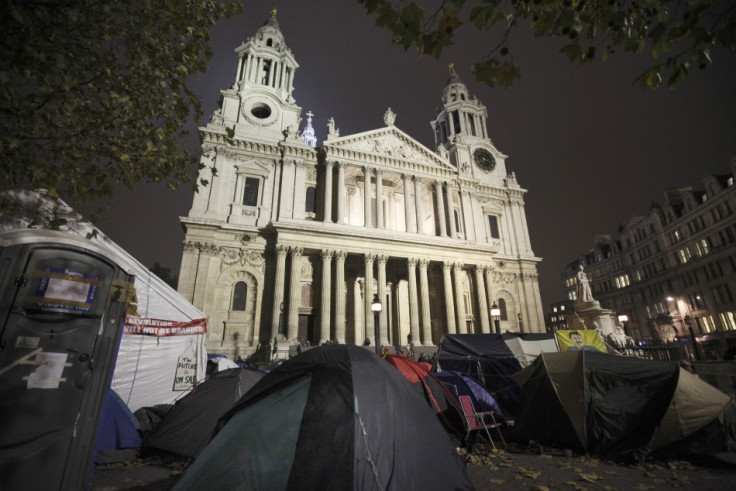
{"points": [[478, 421]]}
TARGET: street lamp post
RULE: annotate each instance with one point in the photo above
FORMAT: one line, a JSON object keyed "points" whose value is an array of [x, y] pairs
{"points": [[376, 308], [496, 316]]}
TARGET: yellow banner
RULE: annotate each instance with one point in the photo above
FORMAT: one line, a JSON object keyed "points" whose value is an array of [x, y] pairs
{"points": [[583, 339]]}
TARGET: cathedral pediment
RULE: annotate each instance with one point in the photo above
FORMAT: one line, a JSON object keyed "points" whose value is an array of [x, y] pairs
{"points": [[389, 144]]}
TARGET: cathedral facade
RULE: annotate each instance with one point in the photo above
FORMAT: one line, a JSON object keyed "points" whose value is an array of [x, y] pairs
{"points": [[295, 241]]}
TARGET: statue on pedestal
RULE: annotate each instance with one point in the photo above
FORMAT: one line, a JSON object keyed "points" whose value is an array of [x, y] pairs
{"points": [[585, 294]]}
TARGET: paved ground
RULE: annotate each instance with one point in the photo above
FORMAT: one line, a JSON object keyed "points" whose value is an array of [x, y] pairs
{"points": [[515, 468]]}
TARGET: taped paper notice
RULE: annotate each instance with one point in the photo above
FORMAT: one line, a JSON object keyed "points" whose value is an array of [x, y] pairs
{"points": [[48, 374]]}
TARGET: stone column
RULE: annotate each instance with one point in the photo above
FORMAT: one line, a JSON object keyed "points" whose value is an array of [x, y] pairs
{"points": [[426, 313], [462, 325], [368, 298], [294, 291], [341, 192], [449, 302], [379, 199], [367, 171], [418, 204], [278, 294], [450, 211], [480, 286], [441, 207], [328, 192], [340, 296], [324, 311], [413, 303], [410, 226], [382, 296]]}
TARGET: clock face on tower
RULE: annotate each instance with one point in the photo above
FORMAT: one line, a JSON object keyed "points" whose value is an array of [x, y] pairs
{"points": [[484, 159]]}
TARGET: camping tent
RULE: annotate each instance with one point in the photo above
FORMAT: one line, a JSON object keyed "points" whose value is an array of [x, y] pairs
{"points": [[527, 346], [460, 384], [336, 417], [487, 359], [162, 352], [612, 406], [118, 428], [187, 427], [443, 401]]}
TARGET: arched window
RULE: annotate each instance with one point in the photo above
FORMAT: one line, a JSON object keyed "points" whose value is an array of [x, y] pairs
{"points": [[310, 205], [502, 307], [239, 294]]}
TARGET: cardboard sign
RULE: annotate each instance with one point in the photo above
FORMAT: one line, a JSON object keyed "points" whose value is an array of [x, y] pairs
{"points": [[186, 373]]}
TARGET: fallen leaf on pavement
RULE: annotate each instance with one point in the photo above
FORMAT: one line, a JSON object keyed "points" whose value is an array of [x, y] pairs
{"points": [[590, 477], [529, 472], [643, 487]]}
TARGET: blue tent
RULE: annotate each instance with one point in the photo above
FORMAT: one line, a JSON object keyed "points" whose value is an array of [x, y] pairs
{"points": [[461, 385], [118, 428]]}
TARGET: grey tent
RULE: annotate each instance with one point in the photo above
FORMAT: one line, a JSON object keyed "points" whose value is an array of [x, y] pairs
{"points": [[187, 427], [335, 417], [615, 406]]}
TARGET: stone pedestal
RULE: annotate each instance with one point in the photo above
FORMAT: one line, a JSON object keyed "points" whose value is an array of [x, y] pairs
{"points": [[590, 315]]}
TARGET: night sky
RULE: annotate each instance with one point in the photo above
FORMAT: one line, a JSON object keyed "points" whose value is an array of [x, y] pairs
{"points": [[592, 148]]}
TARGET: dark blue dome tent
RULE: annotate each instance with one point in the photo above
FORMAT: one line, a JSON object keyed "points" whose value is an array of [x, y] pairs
{"points": [[336, 417], [487, 359]]}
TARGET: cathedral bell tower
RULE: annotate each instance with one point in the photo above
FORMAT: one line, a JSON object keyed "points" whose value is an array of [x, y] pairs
{"points": [[260, 102], [461, 135]]}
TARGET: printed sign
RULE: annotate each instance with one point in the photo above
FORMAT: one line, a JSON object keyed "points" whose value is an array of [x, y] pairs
{"points": [[63, 290]]}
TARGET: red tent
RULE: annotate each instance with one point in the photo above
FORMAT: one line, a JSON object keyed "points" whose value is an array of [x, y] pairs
{"points": [[448, 409]]}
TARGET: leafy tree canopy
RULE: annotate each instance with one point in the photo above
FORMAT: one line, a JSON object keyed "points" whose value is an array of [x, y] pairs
{"points": [[677, 34], [93, 93]]}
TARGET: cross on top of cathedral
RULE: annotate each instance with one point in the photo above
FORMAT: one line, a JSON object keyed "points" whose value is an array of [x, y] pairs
{"points": [[274, 11]]}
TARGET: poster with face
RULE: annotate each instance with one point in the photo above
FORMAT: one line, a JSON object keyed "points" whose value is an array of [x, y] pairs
{"points": [[580, 340]]}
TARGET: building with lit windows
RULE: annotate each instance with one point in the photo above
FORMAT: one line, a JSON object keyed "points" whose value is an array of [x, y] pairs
{"points": [[295, 240], [672, 270], [556, 317]]}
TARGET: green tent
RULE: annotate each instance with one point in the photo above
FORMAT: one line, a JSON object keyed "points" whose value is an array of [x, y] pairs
{"points": [[616, 406], [337, 418]]}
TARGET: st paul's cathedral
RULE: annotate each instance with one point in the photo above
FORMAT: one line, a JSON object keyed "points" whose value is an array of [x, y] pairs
{"points": [[295, 239]]}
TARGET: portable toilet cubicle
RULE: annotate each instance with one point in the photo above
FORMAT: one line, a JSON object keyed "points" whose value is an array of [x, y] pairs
{"points": [[63, 303]]}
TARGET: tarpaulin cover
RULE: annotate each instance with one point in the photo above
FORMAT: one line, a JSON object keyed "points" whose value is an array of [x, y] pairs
{"points": [[487, 359], [187, 427], [609, 405], [527, 346], [335, 417]]}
